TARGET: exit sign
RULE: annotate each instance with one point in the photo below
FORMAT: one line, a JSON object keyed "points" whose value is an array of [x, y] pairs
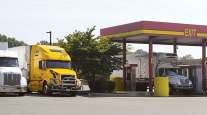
{"points": [[190, 32]]}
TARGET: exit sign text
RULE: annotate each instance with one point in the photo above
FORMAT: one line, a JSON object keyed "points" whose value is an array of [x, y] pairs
{"points": [[190, 32]]}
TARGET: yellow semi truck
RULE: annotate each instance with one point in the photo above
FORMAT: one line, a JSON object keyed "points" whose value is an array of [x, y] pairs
{"points": [[47, 69]]}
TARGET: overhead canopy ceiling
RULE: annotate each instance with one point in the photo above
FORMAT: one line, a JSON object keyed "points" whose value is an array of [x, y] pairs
{"points": [[161, 33]]}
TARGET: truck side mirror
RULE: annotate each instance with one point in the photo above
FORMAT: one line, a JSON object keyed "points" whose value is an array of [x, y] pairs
{"points": [[42, 65]]}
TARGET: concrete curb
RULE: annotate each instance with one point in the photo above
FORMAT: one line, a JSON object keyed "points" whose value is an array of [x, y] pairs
{"points": [[121, 94]]}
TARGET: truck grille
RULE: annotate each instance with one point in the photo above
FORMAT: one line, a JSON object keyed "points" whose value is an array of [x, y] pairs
{"points": [[12, 79], [68, 80], [184, 81]]}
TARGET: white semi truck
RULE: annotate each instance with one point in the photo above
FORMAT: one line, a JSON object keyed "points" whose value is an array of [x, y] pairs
{"points": [[164, 64], [11, 79]]}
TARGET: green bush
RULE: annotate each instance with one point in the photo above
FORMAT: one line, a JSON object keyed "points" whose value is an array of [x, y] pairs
{"points": [[110, 86], [102, 86], [99, 86]]}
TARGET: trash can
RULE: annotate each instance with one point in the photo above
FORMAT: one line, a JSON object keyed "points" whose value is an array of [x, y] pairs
{"points": [[161, 86], [119, 86]]}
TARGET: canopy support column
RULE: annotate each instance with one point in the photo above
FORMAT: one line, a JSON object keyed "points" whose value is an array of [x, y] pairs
{"points": [[204, 66], [124, 62], [150, 64], [175, 46]]}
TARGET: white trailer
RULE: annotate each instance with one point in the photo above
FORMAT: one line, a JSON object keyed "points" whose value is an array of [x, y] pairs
{"points": [[23, 58]]}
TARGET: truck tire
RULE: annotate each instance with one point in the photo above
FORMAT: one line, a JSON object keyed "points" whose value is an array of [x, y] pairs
{"points": [[21, 94], [188, 92], [2, 94]]}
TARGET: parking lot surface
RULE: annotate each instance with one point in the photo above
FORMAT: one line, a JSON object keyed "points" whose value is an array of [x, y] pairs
{"points": [[39, 105]]}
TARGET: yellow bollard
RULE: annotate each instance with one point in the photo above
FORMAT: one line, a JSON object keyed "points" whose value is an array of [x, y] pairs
{"points": [[161, 86], [118, 83]]}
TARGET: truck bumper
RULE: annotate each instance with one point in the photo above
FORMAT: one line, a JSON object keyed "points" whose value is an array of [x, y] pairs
{"points": [[57, 89], [78, 91], [185, 87], [12, 89]]}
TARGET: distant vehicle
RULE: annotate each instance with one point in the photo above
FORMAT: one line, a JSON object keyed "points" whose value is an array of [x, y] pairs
{"points": [[48, 69], [137, 68], [165, 64], [11, 79], [178, 82], [85, 89]]}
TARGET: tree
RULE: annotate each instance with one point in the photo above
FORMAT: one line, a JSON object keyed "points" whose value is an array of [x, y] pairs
{"points": [[91, 56], [12, 42], [187, 57], [43, 42]]}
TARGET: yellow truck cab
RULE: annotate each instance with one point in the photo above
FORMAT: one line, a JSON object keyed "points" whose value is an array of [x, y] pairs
{"points": [[48, 69]]}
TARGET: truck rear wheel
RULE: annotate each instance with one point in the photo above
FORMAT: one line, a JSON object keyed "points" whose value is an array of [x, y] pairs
{"points": [[21, 94]]}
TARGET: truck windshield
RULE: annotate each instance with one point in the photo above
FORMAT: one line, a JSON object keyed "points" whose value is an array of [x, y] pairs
{"points": [[58, 64], [8, 62], [171, 73]]}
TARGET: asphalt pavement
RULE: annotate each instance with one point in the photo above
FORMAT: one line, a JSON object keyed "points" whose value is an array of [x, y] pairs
{"points": [[63, 105]]}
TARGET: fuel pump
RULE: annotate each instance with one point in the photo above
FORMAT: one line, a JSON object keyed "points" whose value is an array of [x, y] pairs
{"points": [[131, 77]]}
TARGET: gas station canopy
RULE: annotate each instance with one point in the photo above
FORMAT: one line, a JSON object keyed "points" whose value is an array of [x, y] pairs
{"points": [[161, 32], [151, 32]]}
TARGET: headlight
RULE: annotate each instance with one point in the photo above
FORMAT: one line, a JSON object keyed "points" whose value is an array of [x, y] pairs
{"points": [[190, 83], [78, 82], [178, 83], [55, 81]]}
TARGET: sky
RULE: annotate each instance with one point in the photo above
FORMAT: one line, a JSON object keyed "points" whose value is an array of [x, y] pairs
{"points": [[29, 20]]}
